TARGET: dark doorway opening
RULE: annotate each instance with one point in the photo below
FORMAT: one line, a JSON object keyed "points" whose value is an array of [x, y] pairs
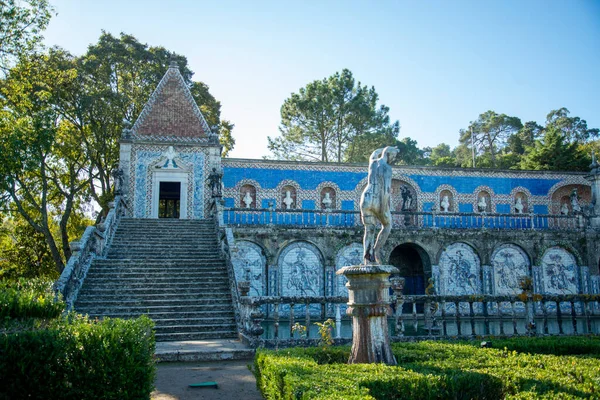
{"points": [[168, 199], [414, 265]]}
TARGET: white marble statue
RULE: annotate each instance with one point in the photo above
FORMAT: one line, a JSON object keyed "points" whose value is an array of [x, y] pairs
{"points": [[445, 204], [170, 154], [482, 204], [288, 201], [248, 199], [375, 203], [327, 201], [575, 201], [519, 206], [564, 209]]}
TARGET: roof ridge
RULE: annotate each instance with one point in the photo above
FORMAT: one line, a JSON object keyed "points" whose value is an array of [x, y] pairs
{"points": [[172, 73]]}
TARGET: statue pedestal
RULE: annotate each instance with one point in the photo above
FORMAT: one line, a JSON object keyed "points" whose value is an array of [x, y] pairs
{"points": [[369, 306]]}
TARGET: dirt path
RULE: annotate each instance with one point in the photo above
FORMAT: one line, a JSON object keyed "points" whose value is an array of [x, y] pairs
{"points": [[233, 377]]}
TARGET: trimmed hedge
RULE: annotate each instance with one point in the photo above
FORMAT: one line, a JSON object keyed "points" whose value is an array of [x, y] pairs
{"points": [[33, 298], [436, 370], [75, 358]]}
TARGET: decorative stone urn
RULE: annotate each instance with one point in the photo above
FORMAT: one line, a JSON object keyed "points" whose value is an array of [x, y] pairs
{"points": [[368, 304]]}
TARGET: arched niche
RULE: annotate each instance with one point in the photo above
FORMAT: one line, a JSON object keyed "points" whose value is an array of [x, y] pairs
{"points": [[560, 274], [288, 198], [460, 270], [249, 263], [404, 196], [247, 196], [562, 196], [301, 270], [510, 263], [520, 203], [483, 202], [446, 201], [327, 198]]}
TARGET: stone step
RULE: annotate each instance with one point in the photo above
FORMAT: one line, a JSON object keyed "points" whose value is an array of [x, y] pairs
{"points": [[140, 297], [145, 280], [198, 272], [201, 327], [166, 221], [141, 255], [151, 290], [174, 315], [171, 337], [96, 310], [144, 303], [158, 263]]}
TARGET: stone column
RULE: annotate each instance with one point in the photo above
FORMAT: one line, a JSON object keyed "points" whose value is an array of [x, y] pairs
{"points": [[368, 301]]}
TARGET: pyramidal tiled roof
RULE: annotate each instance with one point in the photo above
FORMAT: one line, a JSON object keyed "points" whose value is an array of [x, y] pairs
{"points": [[171, 112]]}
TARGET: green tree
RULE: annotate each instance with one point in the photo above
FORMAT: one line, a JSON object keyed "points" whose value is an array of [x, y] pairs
{"points": [[410, 153], [442, 156], [489, 134], [21, 24], [555, 152], [332, 120], [44, 178]]}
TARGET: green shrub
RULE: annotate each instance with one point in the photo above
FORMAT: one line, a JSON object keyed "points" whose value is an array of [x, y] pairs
{"points": [[437, 370], [33, 298], [75, 358]]}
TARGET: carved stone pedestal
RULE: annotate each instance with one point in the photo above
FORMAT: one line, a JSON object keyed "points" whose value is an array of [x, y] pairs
{"points": [[368, 301]]}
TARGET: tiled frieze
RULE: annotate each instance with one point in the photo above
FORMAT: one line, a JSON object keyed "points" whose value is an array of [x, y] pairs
{"points": [[559, 272], [250, 263], [509, 263], [348, 180], [300, 267], [460, 270]]}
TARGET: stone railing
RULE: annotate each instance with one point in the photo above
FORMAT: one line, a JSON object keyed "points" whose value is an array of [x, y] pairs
{"points": [[223, 238], [93, 244], [403, 220], [273, 321]]}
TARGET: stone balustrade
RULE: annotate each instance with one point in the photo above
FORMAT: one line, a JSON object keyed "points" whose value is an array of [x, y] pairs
{"points": [[403, 220], [269, 320], [93, 244]]}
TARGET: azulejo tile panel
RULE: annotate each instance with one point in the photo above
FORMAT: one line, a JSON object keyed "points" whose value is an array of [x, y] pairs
{"points": [[559, 271], [460, 270], [509, 263], [347, 256], [301, 270], [249, 264]]}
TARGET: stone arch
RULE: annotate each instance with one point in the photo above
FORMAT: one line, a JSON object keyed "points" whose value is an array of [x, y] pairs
{"points": [[460, 270], [487, 193], [509, 263], [301, 270], [414, 265], [446, 190], [559, 271], [250, 264], [559, 195], [351, 254]]}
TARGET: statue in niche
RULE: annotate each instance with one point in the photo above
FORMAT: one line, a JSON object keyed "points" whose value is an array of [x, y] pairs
{"points": [[170, 154], [519, 205], [564, 209], [118, 175], [407, 198], [375, 203], [445, 204], [482, 204], [327, 201], [214, 180], [248, 199], [575, 202], [288, 201]]}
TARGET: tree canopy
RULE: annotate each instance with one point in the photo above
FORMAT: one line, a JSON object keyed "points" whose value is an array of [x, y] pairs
{"points": [[334, 119]]}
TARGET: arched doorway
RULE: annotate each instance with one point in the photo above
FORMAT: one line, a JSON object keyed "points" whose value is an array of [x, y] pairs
{"points": [[415, 267]]}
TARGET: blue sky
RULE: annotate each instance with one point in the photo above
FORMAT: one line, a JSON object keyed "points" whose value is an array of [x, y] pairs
{"points": [[436, 64]]}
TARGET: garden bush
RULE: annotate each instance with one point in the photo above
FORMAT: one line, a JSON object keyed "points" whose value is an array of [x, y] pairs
{"points": [[32, 298], [76, 358], [438, 370]]}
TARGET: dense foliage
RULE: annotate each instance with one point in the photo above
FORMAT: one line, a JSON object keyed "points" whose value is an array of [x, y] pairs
{"points": [[75, 358], [520, 368], [31, 298]]}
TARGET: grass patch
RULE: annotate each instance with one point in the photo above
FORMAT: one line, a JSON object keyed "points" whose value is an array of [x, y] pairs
{"points": [[522, 368]]}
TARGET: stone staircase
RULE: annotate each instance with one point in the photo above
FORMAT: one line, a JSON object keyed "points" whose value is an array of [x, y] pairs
{"points": [[170, 270]]}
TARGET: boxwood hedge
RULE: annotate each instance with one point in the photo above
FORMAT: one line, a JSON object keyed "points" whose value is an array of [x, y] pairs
{"points": [[522, 368]]}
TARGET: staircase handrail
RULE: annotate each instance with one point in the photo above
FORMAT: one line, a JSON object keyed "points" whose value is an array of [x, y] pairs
{"points": [[94, 243]]}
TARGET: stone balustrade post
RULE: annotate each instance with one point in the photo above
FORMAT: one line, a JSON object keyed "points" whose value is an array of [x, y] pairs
{"points": [[397, 283]]}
